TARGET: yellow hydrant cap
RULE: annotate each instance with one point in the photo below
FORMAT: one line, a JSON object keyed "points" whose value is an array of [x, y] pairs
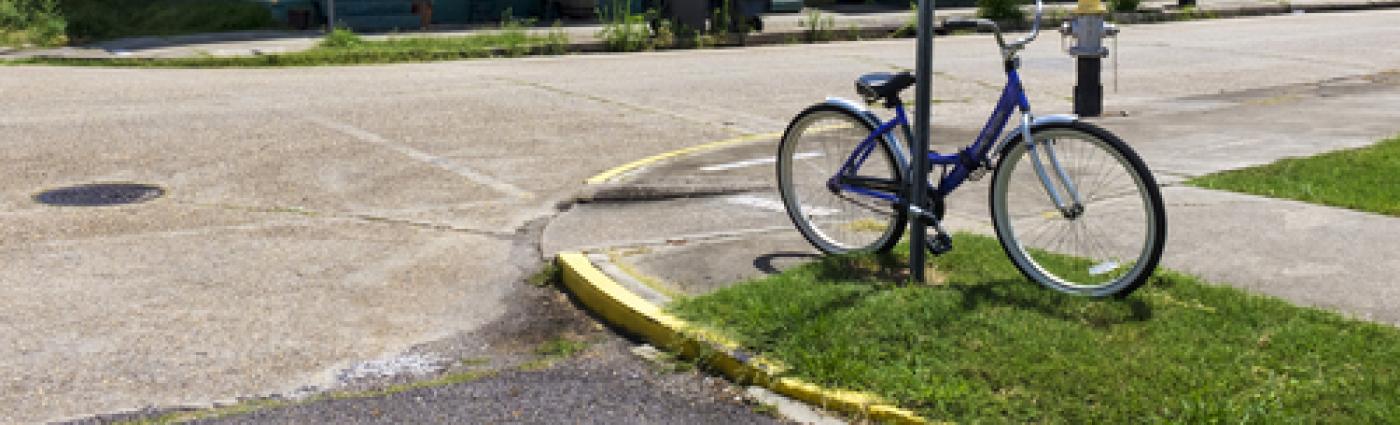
{"points": [[1090, 7]]}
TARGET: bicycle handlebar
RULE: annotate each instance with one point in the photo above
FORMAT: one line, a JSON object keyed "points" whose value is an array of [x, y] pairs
{"points": [[989, 25]]}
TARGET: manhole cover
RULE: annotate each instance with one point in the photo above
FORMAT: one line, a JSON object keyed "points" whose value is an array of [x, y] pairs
{"points": [[99, 194]]}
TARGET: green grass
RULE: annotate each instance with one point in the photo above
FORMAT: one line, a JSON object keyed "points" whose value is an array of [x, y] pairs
{"points": [[343, 48], [988, 346], [1362, 179]]}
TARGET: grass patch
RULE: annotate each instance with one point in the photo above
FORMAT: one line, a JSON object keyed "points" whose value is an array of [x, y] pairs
{"points": [[1361, 179], [554, 350], [342, 47], [550, 275], [987, 345]]}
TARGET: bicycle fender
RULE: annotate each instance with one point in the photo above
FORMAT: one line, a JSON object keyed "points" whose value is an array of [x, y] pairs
{"points": [[1037, 122], [1054, 119], [869, 117]]}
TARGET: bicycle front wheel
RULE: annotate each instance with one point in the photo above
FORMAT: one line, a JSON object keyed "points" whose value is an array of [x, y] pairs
{"points": [[1110, 243], [815, 147]]}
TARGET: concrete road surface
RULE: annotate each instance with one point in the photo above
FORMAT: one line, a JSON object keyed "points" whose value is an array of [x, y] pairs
{"points": [[316, 219]]}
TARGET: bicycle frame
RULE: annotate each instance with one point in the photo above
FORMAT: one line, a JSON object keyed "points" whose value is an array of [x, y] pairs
{"points": [[963, 163]]}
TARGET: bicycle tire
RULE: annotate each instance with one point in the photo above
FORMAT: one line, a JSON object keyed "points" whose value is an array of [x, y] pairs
{"points": [[1079, 258], [813, 149]]}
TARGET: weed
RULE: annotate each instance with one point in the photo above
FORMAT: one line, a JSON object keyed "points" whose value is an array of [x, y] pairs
{"points": [[704, 41], [816, 27], [342, 38], [561, 347], [670, 362], [550, 275], [556, 41], [1189, 13], [624, 31], [513, 41], [476, 361], [665, 34], [550, 352], [911, 24], [766, 409]]}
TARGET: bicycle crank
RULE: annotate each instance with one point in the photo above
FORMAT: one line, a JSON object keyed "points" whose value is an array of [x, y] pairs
{"points": [[939, 244]]}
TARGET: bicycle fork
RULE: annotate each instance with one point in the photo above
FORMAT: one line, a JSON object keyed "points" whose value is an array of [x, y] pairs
{"points": [[1076, 208]]}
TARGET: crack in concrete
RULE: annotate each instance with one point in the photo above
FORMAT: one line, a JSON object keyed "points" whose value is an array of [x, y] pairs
{"points": [[434, 226], [660, 192]]}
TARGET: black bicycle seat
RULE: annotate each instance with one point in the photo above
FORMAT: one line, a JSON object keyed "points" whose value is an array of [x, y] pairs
{"points": [[881, 85]]}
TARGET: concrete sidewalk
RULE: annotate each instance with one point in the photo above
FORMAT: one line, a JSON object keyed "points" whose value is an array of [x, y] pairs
{"points": [[583, 34]]}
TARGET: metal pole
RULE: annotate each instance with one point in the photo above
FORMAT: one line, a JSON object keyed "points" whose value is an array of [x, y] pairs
{"points": [[330, 15], [918, 148]]}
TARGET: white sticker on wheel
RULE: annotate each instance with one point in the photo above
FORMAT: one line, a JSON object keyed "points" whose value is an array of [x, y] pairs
{"points": [[1103, 267]]}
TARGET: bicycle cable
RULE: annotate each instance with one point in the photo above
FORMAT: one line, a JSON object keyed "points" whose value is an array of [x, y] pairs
{"points": [[1115, 64]]}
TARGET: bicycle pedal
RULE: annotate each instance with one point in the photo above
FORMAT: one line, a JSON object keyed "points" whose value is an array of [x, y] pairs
{"points": [[939, 244]]}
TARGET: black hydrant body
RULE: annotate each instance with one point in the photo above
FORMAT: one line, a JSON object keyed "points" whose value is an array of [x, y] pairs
{"points": [[1088, 87]]}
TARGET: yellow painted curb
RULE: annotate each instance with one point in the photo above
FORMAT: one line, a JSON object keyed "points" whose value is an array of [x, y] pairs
{"points": [[610, 174], [624, 309]]}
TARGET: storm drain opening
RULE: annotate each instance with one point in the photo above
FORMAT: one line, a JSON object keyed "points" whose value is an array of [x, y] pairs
{"points": [[99, 194]]}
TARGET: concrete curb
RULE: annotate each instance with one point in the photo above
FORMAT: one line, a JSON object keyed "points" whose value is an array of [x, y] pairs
{"points": [[630, 312]]}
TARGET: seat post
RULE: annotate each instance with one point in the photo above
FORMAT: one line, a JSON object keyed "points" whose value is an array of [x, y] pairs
{"points": [[892, 101]]}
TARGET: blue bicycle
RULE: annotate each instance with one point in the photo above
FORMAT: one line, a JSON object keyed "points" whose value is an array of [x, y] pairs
{"points": [[1073, 206]]}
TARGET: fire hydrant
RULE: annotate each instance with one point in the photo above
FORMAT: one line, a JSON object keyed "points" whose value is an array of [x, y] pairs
{"points": [[1088, 30]]}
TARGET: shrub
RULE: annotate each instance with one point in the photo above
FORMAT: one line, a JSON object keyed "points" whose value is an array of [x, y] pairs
{"points": [[105, 19], [1000, 9], [1124, 5], [35, 22]]}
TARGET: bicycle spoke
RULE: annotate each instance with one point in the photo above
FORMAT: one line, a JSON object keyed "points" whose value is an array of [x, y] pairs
{"points": [[1102, 249], [840, 220]]}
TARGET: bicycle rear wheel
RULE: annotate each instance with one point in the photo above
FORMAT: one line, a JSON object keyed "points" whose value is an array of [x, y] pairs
{"points": [[1109, 246], [814, 148]]}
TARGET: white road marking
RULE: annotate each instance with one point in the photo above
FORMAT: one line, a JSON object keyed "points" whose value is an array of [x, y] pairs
{"points": [[774, 205], [756, 161], [427, 158]]}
